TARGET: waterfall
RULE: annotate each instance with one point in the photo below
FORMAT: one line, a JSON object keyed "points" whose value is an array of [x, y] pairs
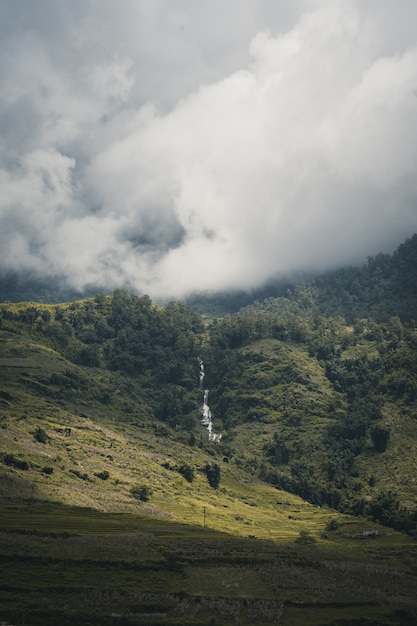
{"points": [[201, 383], [205, 409]]}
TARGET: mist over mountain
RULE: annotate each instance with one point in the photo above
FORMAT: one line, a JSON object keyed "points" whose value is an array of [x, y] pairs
{"points": [[111, 482], [176, 148], [382, 288], [314, 392]]}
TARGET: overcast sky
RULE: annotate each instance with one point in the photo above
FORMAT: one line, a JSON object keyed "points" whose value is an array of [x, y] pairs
{"points": [[177, 145]]}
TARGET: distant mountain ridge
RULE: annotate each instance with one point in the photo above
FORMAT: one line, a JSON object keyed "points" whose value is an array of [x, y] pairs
{"points": [[386, 285], [28, 287]]}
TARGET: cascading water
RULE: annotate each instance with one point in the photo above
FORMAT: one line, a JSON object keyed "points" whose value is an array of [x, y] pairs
{"points": [[201, 384], [205, 409]]}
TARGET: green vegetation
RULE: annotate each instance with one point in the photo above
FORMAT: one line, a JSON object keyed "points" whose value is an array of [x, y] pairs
{"points": [[315, 395], [141, 492], [187, 471], [40, 435], [305, 538], [213, 474], [67, 565]]}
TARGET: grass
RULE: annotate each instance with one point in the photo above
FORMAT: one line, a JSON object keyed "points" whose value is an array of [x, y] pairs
{"points": [[68, 565]]}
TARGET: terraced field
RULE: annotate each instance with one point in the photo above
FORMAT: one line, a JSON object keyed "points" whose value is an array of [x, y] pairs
{"points": [[63, 565]]}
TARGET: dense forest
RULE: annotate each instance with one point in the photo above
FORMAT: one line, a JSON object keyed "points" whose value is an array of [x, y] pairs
{"points": [[315, 392]]}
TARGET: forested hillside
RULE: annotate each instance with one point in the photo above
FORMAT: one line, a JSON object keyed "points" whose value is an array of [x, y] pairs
{"points": [[321, 386], [383, 288], [153, 349], [322, 408], [314, 393]]}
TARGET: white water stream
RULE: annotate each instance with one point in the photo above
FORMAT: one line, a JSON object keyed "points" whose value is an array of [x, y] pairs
{"points": [[206, 419]]}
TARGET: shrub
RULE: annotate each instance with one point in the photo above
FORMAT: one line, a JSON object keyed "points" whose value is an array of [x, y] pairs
{"points": [[103, 475], [187, 471], [79, 474], [40, 435], [380, 437], [305, 538], [141, 492], [48, 470], [11, 461], [332, 524]]}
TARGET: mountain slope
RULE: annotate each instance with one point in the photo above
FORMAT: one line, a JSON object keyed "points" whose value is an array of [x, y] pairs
{"points": [[383, 288], [309, 404], [59, 442], [100, 408]]}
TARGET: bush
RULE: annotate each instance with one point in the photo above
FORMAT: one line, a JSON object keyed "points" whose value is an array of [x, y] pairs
{"points": [[380, 438], [141, 492], [103, 475], [11, 461], [332, 524], [48, 470], [79, 474], [305, 538], [40, 435], [187, 471]]}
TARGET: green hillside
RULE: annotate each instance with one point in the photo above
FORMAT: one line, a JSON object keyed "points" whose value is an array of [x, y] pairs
{"points": [[87, 436], [101, 436], [328, 411]]}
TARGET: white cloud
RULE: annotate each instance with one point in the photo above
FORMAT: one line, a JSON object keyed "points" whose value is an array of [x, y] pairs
{"points": [[296, 151], [112, 82], [35, 199]]}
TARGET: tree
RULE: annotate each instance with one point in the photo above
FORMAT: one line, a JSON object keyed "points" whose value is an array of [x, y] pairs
{"points": [[187, 471], [141, 492], [213, 474], [380, 437], [278, 451], [89, 356], [332, 524]]}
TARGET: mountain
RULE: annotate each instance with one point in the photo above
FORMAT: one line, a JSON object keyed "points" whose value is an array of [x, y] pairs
{"points": [[28, 287], [383, 288], [325, 382], [320, 404], [314, 394]]}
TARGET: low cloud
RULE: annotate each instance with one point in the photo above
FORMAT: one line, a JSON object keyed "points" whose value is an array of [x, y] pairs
{"points": [[296, 150]]}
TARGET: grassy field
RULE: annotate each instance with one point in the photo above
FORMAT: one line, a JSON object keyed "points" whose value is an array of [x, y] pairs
{"points": [[68, 565]]}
